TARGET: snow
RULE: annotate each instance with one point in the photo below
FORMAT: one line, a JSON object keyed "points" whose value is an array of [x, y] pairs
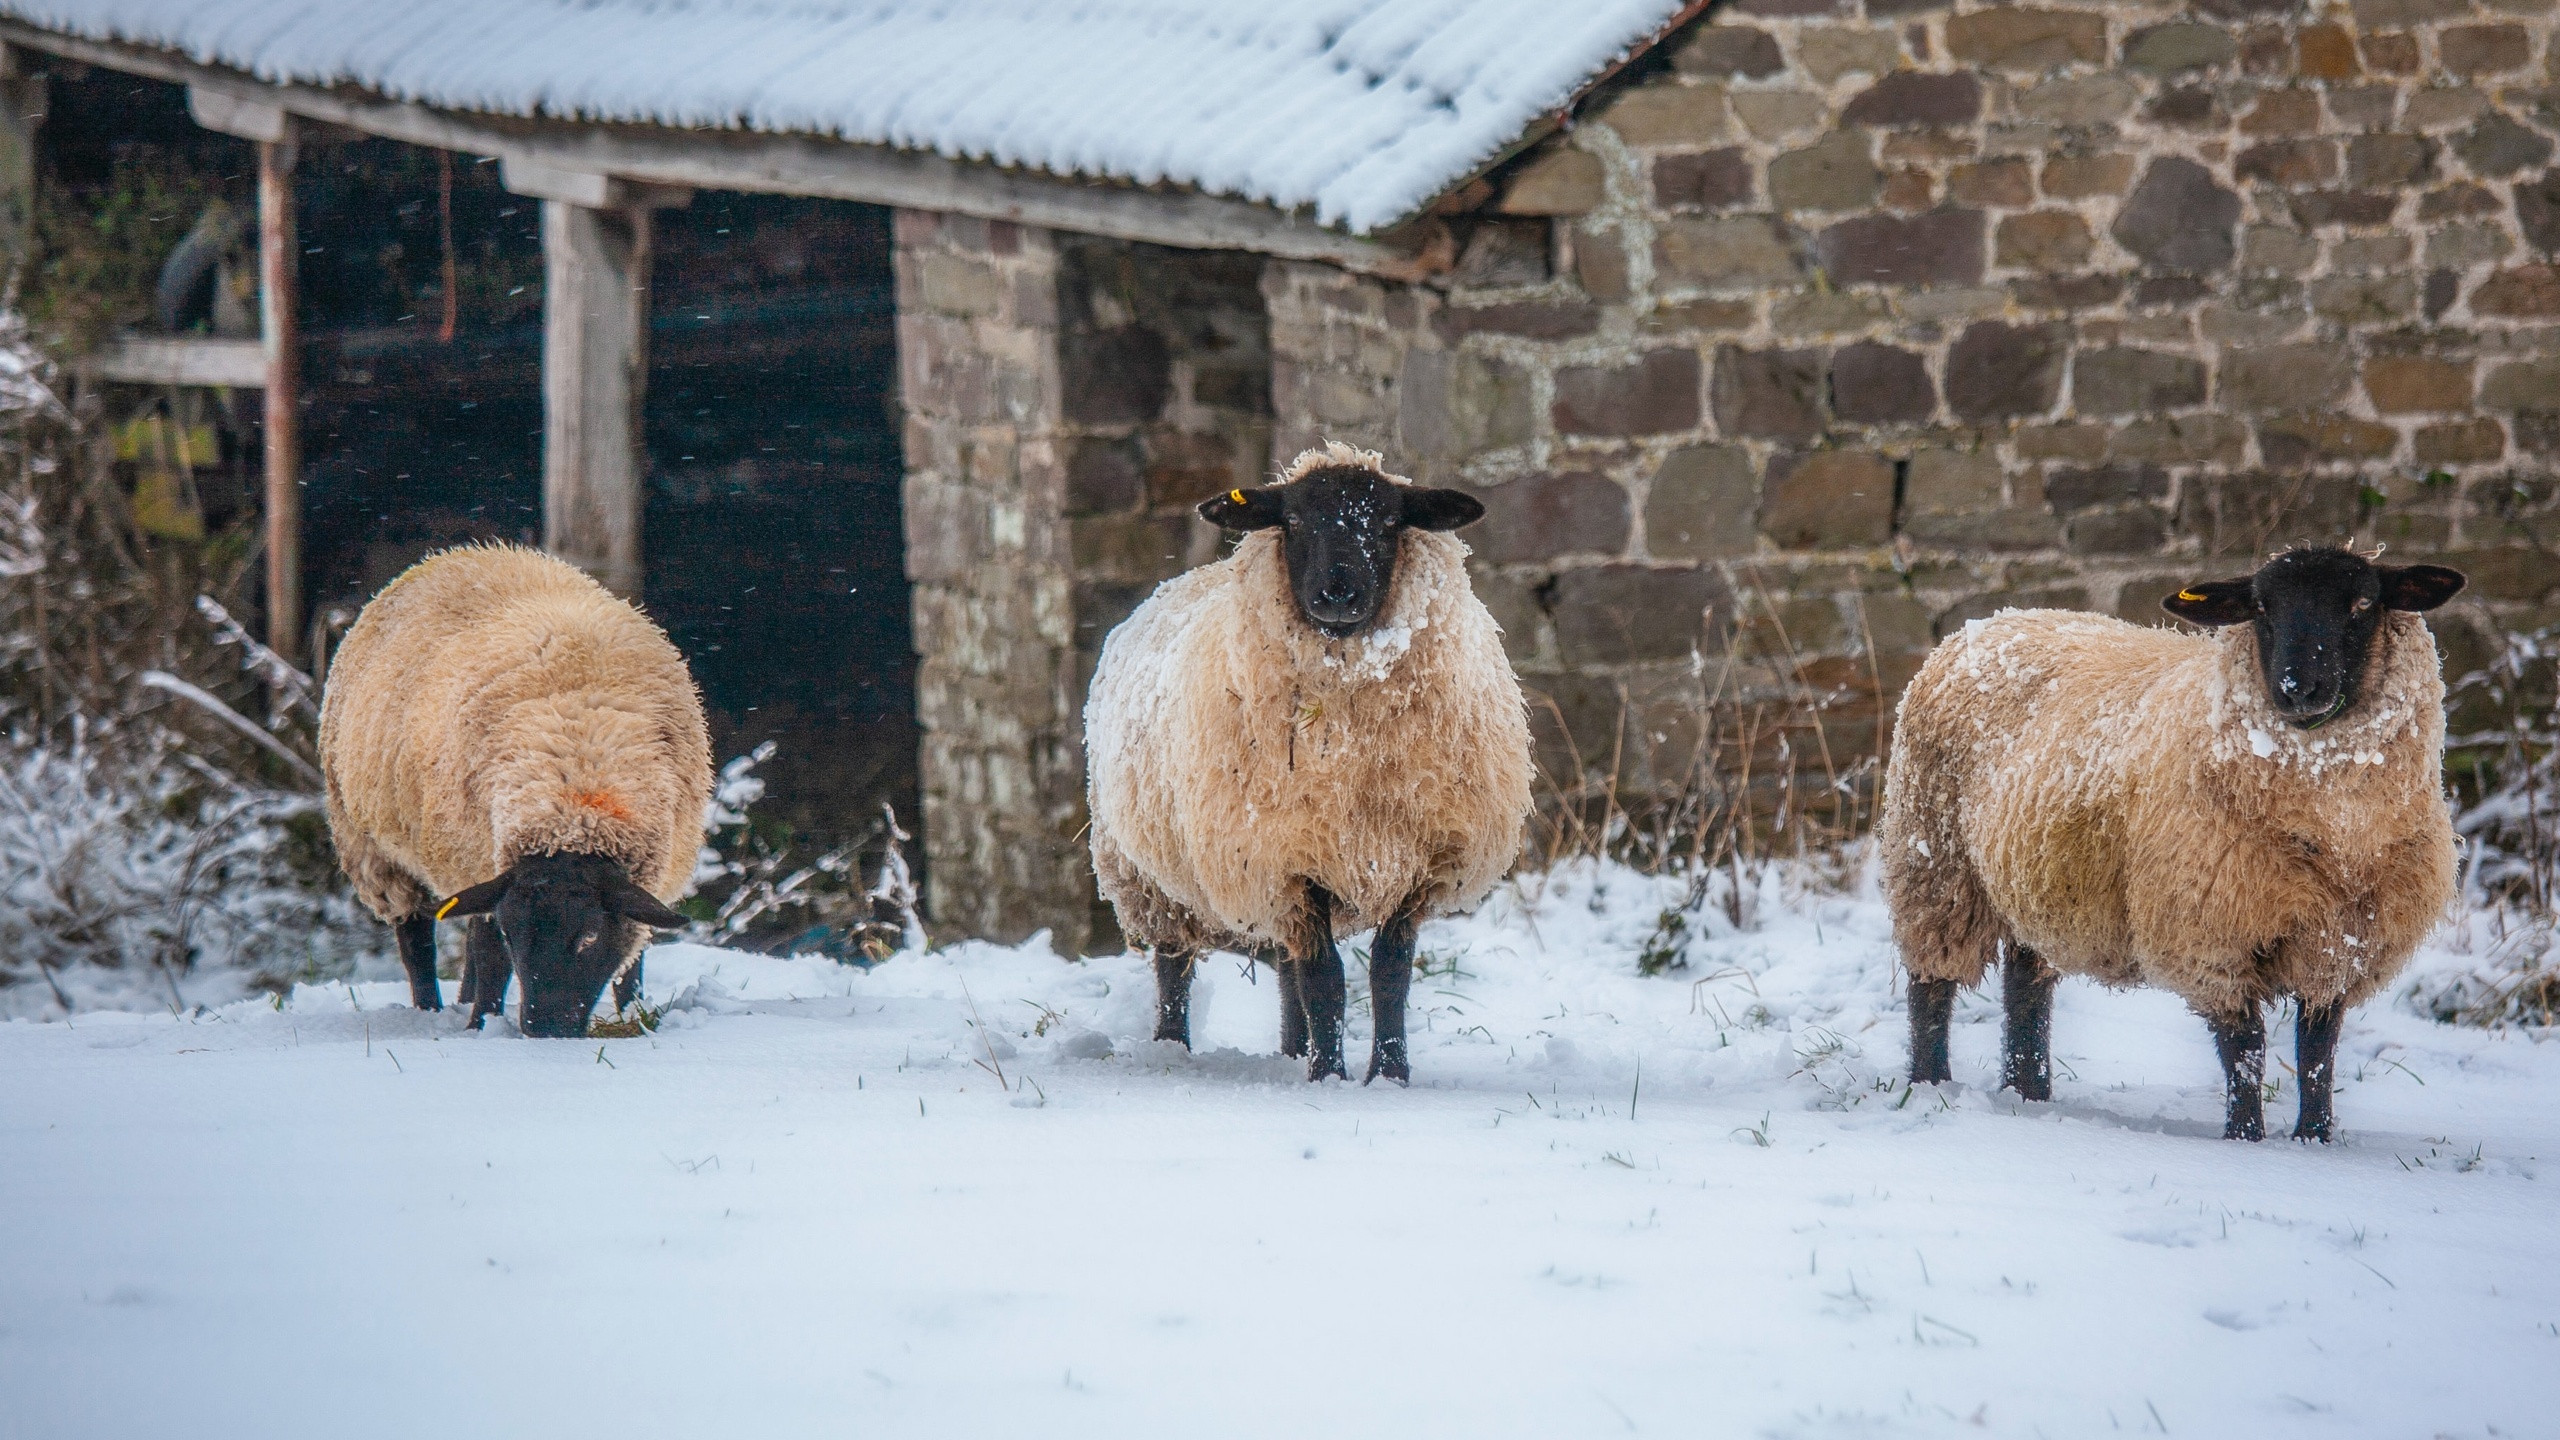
{"points": [[1695, 1204], [1360, 109]]}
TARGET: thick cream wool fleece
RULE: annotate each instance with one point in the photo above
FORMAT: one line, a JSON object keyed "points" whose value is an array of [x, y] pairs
{"points": [[1236, 751], [2126, 803], [494, 703]]}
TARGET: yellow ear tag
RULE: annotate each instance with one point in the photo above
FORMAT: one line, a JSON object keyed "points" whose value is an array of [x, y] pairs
{"points": [[1237, 496], [2189, 595], [448, 907]]}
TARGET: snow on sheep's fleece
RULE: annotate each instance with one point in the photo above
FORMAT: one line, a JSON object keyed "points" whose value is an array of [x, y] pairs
{"points": [[1698, 1204]]}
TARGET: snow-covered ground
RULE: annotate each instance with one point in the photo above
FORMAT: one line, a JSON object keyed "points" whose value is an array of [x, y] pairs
{"points": [[1697, 1204]]}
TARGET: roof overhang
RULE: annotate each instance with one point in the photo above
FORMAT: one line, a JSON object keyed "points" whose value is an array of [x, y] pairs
{"points": [[657, 156]]}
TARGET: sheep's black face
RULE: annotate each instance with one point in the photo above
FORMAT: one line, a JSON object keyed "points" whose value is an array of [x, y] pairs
{"points": [[2316, 613], [570, 923], [1342, 527]]}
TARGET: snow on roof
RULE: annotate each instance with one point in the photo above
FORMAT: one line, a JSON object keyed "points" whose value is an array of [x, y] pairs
{"points": [[1361, 109]]}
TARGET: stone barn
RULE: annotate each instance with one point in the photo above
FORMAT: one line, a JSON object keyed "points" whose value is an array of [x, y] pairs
{"points": [[1848, 320]]}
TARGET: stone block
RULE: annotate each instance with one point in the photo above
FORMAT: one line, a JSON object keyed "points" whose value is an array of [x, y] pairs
{"points": [[958, 285], [2364, 107], [1940, 248], [1530, 319], [2289, 163], [1617, 613], [2079, 101], [2008, 183], [2538, 211], [1543, 516], [2044, 240], [2178, 218], [2525, 292], [1656, 395], [1875, 384], [1981, 530], [2460, 198], [2069, 491], [2283, 112], [1776, 114], [2370, 254], [2284, 377], [2507, 572], [1665, 114], [1558, 181], [2316, 209], [1700, 504], [1725, 252], [1600, 265], [2364, 299], [1450, 406], [1707, 180], [2023, 39], [2390, 52], [2179, 46], [2205, 439], [1829, 52], [2118, 530], [2121, 380], [2295, 441], [2188, 107], [2082, 177], [1830, 499], [2383, 14], [2325, 52], [1768, 394], [1834, 173], [1104, 476], [1729, 52], [1702, 314], [1951, 482], [2066, 441], [2461, 442], [1910, 191], [2443, 108], [1119, 376], [2412, 384], [1909, 97], [2390, 160], [2472, 51], [2068, 293], [2499, 146], [1502, 253], [2279, 248], [1827, 312], [2523, 385], [1997, 371]]}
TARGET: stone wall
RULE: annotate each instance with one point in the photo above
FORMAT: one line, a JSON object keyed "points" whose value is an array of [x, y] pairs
{"points": [[997, 691], [1840, 320]]}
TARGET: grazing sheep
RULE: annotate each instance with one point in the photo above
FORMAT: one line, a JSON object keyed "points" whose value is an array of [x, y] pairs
{"points": [[2231, 817], [501, 730], [1316, 735]]}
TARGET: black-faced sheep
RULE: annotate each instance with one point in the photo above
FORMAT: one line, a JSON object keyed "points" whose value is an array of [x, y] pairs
{"points": [[1318, 734], [2232, 818], [501, 730]]}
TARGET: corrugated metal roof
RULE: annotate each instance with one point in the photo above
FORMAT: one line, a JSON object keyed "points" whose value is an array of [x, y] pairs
{"points": [[1361, 110]]}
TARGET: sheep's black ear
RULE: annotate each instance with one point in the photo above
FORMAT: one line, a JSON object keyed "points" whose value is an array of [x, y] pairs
{"points": [[2419, 587], [480, 899], [2214, 602], [633, 903], [1256, 509], [1440, 509]]}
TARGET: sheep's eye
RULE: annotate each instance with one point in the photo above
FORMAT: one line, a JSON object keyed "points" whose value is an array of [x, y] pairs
{"points": [[2362, 605]]}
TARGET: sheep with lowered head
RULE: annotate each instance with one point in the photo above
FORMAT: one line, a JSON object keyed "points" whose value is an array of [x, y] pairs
{"points": [[1313, 736], [2231, 817], [501, 730]]}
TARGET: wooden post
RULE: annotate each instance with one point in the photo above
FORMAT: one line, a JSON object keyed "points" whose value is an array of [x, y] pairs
{"points": [[279, 257], [22, 110], [595, 370]]}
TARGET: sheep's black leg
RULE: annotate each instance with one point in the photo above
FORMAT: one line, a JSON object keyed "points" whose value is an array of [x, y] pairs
{"points": [[485, 970], [1933, 1004], [1173, 995], [417, 938], [1293, 1008], [1320, 983], [2315, 1060], [2241, 1041], [2026, 1051], [626, 986], [1390, 977]]}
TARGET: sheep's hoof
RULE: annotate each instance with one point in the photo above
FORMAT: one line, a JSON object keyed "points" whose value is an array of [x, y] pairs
{"points": [[2308, 1131], [1396, 1070], [1319, 1068]]}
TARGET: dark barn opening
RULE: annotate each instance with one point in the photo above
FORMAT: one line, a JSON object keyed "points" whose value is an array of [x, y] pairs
{"points": [[773, 537]]}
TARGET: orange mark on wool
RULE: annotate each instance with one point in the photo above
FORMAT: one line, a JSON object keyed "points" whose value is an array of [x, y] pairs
{"points": [[603, 802]]}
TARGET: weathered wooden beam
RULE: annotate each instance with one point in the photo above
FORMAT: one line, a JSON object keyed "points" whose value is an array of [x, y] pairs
{"points": [[784, 164], [178, 360], [279, 289], [231, 113], [22, 110], [595, 369], [524, 176]]}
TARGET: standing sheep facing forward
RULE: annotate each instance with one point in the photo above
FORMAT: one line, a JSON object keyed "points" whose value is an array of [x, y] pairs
{"points": [[1318, 734], [2231, 818], [501, 730]]}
